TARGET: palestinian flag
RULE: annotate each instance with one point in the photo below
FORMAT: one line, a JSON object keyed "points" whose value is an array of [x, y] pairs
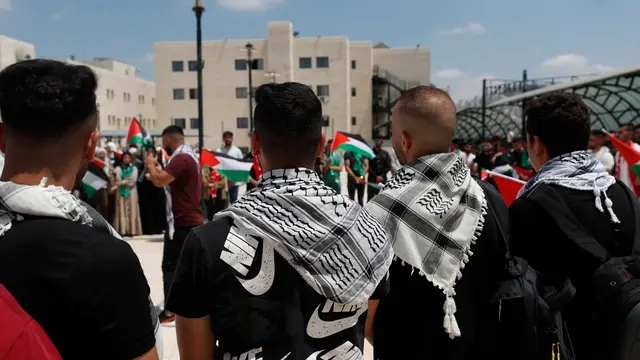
{"points": [[95, 178], [628, 153], [353, 143], [138, 136], [236, 170], [525, 173], [508, 186]]}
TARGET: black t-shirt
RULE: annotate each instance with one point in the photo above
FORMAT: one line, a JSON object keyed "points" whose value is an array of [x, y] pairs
{"points": [[379, 165], [258, 303], [85, 288], [408, 323], [538, 238], [484, 161]]}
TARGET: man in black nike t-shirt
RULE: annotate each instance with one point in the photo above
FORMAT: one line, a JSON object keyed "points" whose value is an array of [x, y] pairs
{"points": [[290, 270]]}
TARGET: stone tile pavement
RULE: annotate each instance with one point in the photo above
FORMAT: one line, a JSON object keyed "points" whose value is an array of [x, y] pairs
{"points": [[149, 251]]}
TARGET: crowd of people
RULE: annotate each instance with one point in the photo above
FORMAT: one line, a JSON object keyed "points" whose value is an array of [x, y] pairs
{"points": [[432, 265]]}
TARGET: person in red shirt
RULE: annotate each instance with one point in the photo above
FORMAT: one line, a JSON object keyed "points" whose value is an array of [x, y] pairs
{"points": [[182, 181]]}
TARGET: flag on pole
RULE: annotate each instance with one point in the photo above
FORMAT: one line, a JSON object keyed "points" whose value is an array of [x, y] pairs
{"points": [[628, 153], [507, 185], [138, 136], [353, 143], [95, 178], [236, 170]]}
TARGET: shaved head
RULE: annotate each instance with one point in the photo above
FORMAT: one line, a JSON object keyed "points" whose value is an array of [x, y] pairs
{"points": [[424, 122]]}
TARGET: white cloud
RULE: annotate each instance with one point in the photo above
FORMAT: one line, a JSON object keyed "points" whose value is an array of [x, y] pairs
{"points": [[466, 88], [450, 73], [249, 5], [5, 5], [474, 28], [572, 64], [57, 16]]}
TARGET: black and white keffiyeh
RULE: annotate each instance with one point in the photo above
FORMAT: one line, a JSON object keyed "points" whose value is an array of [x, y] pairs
{"points": [[434, 211], [183, 149], [337, 247], [577, 170]]}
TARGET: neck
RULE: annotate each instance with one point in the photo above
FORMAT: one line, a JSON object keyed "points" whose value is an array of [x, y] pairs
{"points": [[20, 175], [228, 146], [176, 147]]}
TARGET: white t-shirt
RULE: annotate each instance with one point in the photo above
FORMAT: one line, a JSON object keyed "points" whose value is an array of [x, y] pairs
{"points": [[233, 151]]}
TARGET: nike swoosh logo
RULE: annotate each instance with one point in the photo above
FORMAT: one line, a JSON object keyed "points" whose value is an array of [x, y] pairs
{"points": [[263, 281], [314, 356], [318, 328], [286, 356]]}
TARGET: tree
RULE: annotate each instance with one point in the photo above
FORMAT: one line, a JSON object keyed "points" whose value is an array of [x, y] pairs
{"points": [[380, 45]]}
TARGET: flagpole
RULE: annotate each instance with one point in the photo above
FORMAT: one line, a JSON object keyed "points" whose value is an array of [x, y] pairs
{"points": [[504, 176]]}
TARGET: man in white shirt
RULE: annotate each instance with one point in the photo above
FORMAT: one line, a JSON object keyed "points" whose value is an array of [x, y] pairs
{"points": [[623, 169], [600, 151], [228, 148]]}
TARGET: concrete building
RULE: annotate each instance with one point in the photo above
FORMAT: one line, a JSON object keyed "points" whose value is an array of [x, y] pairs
{"points": [[12, 51], [356, 82], [122, 95]]}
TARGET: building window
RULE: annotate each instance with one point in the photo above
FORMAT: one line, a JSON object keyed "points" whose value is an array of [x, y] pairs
{"points": [[305, 63], [322, 62], [178, 94], [353, 92], [322, 90], [177, 66], [126, 97], [325, 121], [194, 122], [193, 94], [353, 121], [253, 92], [193, 65], [241, 64], [179, 122], [242, 93], [153, 101], [257, 64], [141, 99], [242, 123], [353, 64]]}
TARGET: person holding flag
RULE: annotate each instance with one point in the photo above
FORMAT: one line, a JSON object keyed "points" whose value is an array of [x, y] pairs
{"points": [[624, 171]]}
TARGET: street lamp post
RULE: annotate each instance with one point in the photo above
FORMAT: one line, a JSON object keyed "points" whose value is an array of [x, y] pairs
{"points": [[198, 9], [249, 48]]}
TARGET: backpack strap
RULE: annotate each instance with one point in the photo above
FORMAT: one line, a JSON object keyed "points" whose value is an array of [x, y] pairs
{"points": [[552, 203], [499, 212], [633, 199]]}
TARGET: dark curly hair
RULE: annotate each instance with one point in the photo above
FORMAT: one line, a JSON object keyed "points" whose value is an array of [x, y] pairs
{"points": [[47, 98], [561, 122]]}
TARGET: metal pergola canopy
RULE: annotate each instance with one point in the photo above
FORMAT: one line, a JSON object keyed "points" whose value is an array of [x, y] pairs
{"points": [[613, 98]]}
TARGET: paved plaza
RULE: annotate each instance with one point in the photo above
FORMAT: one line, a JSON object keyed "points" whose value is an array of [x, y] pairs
{"points": [[149, 250]]}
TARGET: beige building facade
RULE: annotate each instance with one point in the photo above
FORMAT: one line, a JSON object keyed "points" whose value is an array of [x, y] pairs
{"points": [[122, 96], [356, 82], [12, 51]]}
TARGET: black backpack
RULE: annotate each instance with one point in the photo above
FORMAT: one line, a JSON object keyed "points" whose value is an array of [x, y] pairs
{"points": [[528, 306], [614, 293]]}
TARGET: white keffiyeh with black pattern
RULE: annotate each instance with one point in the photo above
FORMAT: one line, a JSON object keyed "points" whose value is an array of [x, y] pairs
{"points": [[434, 211], [337, 247]]}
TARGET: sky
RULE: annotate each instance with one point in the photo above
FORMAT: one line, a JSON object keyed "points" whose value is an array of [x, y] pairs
{"points": [[469, 39]]}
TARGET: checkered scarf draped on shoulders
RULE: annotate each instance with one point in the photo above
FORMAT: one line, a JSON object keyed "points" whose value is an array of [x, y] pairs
{"points": [[433, 211], [339, 249]]}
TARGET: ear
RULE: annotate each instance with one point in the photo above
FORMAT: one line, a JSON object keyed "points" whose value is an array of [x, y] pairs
{"points": [[321, 143], [255, 144], [90, 146], [3, 138], [406, 141]]}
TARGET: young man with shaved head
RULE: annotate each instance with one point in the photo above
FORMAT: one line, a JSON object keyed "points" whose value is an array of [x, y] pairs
{"points": [[438, 217]]}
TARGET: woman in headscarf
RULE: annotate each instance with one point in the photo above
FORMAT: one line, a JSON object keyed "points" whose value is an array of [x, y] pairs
{"points": [[152, 207], [127, 214]]}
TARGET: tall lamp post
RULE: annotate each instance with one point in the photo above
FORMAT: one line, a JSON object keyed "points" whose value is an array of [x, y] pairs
{"points": [[198, 9], [249, 48]]}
